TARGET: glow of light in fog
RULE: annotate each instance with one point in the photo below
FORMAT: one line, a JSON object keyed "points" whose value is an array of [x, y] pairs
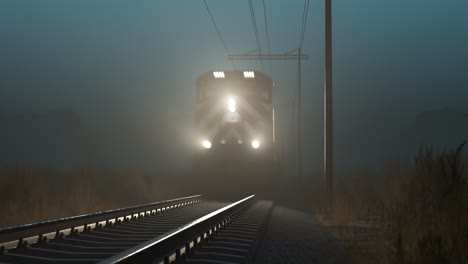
{"points": [[206, 144], [255, 144], [231, 105], [249, 74], [218, 74]]}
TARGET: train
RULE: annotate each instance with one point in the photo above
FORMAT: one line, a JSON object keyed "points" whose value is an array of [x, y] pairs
{"points": [[235, 152]]}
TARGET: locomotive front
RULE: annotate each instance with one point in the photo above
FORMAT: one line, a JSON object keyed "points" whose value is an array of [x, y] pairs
{"points": [[234, 124], [234, 108]]}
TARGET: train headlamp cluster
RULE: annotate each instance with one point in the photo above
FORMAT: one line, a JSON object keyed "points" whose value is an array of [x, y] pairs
{"points": [[206, 144], [218, 74], [249, 74], [221, 75], [231, 104]]}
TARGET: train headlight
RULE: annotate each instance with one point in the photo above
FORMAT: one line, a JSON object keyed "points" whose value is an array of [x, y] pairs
{"points": [[206, 144], [255, 144], [231, 105]]}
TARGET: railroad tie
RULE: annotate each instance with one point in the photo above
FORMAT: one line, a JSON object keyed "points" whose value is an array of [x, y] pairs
{"points": [[237, 242]]}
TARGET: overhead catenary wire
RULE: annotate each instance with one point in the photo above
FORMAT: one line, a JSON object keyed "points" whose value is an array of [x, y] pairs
{"points": [[254, 24], [304, 23], [267, 35], [217, 29]]}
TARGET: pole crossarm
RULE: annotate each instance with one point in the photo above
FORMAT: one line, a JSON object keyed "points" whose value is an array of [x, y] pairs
{"points": [[268, 57]]}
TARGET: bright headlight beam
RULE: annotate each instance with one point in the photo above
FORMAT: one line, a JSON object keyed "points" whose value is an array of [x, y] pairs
{"points": [[206, 144], [255, 144], [231, 105], [249, 74], [218, 74]]}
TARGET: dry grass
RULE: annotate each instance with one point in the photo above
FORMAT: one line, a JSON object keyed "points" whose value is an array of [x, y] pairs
{"points": [[418, 214], [25, 194], [32, 194]]}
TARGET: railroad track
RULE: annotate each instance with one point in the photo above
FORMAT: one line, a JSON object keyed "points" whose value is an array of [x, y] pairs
{"points": [[184, 230]]}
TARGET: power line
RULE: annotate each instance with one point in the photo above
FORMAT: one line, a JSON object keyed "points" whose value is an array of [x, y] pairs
{"points": [[216, 27], [304, 22], [285, 56], [267, 35], [254, 24]]}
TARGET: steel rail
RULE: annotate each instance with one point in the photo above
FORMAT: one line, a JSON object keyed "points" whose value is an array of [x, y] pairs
{"points": [[172, 244], [238, 242], [36, 232]]}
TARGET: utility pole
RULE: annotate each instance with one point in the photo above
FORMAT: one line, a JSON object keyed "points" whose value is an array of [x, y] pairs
{"points": [[328, 131], [299, 119], [286, 56]]}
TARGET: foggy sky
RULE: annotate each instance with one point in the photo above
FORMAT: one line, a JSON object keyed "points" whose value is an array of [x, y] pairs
{"points": [[134, 63]]}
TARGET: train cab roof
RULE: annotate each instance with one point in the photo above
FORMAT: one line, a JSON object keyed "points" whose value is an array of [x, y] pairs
{"points": [[255, 82]]}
